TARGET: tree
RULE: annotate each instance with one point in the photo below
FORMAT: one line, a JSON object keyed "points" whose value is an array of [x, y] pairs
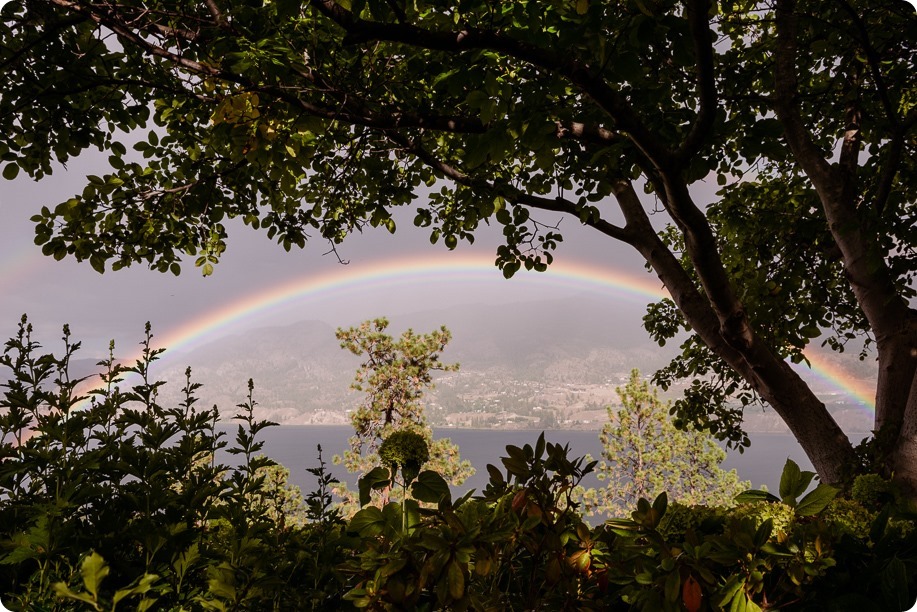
{"points": [[322, 117], [394, 376], [647, 455]]}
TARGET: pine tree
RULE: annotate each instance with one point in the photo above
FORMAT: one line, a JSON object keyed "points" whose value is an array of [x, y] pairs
{"points": [[394, 376], [645, 454]]}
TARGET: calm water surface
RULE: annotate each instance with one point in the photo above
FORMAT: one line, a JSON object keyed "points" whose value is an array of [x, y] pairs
{"points": [[295, 446]]}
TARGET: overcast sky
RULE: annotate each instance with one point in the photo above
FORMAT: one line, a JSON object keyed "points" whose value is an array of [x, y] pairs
{"points": [[116, 304]]}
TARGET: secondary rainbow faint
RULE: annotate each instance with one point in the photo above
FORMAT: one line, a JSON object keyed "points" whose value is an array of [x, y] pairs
{"points": [[17, 266], [448, 268]]}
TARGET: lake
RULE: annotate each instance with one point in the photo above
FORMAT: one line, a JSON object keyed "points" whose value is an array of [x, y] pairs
{"points": [[294, 446]]}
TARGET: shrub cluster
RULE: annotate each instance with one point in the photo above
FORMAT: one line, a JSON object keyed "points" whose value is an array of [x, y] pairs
{"points": [[120, 504]]}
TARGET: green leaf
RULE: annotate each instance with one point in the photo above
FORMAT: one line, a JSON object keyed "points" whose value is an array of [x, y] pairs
{"points": [[431, 488], [367, 522], [660, 504], [411, 510], [97, 263], [496, 476], [376, 479], [877, 529], [894, 584], [145, 584], [816, 500], [793, 482], [94, 570], [672, 587], [11, 171], [63, 590], [754, 495], [763, 534], [456, 580], [730, 590]]}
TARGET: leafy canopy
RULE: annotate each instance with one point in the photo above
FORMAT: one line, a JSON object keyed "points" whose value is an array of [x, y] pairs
{"points": [[317, 119]]}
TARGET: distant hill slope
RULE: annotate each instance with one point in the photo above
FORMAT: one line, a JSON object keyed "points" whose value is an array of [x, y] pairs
{"points": [[532, 364], [302, 375]]}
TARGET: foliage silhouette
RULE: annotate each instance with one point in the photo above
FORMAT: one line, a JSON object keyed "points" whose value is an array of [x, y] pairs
{"points": [[322, 118], [117, 502]]}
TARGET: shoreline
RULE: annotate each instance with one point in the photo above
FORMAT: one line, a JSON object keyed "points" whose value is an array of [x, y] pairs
{"points": [[860, 434]]}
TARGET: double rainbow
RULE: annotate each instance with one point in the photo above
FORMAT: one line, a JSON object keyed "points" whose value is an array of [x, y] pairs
{"points": [[450, 268]]}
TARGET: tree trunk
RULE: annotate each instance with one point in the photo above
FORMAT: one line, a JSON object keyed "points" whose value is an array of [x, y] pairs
{"points": [[824, 442], [904, 454], [771, 377]]}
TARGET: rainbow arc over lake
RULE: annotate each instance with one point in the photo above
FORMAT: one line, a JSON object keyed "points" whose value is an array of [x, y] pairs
{"points": [[449, 268]]}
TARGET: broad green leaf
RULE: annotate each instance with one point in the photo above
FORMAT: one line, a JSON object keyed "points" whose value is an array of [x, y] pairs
{"points": [[63, 590], [431, 488], [763, 534], [731, 590], [94, 569], [755, 495], [456, 580], [376, 479], [793, 482], [816, 500], [896, 591], [367, 522], [496, 476], [660, 504], [144, 586]]}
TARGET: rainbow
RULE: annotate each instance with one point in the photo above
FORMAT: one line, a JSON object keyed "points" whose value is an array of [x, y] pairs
{"points": [[446, 268], [18, 265], [859, 390], [399, 272]]}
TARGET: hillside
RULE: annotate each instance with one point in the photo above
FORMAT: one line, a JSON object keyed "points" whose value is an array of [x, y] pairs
{"points": [[533, 364]]}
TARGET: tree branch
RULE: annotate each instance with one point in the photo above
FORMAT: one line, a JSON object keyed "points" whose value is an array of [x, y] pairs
{"points": [[49, 32], [810, 157], [866, 269], [701, 37], [889, 171], [215, 12], [558, 204], [892, 321], [582, 75], [872, 58], [121, 30]]}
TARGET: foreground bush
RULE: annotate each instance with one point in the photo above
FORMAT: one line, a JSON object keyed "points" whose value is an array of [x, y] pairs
{"points": [[118, 503], [116, 500]]}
